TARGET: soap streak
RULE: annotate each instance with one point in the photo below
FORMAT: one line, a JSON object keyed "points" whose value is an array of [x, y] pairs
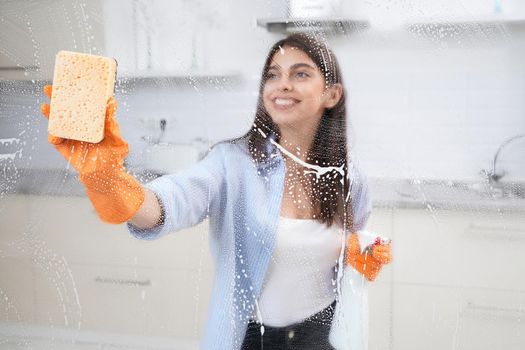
{"points": [[319, 171]]}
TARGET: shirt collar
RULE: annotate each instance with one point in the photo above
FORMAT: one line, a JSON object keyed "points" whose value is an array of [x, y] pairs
{"points": [[272, 154]]}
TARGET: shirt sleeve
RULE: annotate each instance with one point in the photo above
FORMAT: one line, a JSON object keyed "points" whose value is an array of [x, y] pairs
{"points": [[360, 198], [187, 196]]}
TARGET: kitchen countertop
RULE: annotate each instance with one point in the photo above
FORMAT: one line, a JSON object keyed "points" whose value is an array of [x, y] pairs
{"points": [[447, 194], [386, 193]]}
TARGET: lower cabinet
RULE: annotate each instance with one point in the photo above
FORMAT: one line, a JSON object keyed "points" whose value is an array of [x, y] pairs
{"points": [[459, 248], [139, 301], [17, 290], [69, 227], [68, 280], [430, 317], [458, 280]]}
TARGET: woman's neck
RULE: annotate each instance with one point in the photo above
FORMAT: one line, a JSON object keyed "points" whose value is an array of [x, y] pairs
{"points": [[297, 141]]}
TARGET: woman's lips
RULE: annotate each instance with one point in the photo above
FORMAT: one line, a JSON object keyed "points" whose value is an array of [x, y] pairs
{"points": [[284, 103]]}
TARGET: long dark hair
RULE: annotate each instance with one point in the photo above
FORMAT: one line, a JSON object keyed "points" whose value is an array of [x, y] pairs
{"points": [[329, 147]]}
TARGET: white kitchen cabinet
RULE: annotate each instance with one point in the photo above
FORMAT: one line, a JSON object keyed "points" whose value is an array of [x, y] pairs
{"points": [[32, 33], [380, 314], [427, 317], [163, 36], [459, 248], [149, 36], [454, 281], [14, 343], [126, 300], [61, 267], [30, 336], [457, 279], [70, 227], [17, 290], [16, 266], [13, 218], [98, 277]]}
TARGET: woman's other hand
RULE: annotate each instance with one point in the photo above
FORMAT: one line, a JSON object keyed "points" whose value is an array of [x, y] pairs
{"points": [[370, 262]]}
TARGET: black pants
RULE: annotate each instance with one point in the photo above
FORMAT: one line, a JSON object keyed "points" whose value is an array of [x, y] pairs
{"points": [[310, 334]]}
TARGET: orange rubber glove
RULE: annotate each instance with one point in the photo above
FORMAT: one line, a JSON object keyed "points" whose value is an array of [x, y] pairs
{"points": [[115, 194], [368, 263]]}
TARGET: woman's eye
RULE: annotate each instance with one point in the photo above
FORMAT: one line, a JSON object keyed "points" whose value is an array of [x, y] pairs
{"points": [[302, 74], [270, 75]]}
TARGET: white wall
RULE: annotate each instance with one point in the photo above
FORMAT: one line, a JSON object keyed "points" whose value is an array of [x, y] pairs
{"points": [[425, 105], [437, 113], [426, 113], [428, 105]]}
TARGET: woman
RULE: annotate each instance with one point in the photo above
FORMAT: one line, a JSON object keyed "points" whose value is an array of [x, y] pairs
{"points": [[281, 201]]}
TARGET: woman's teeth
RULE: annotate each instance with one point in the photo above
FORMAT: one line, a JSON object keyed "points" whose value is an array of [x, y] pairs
{"points": [[284, 102]]}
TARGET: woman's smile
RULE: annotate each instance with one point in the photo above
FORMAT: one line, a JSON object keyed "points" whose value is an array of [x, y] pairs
{"points": [[284, 104]]}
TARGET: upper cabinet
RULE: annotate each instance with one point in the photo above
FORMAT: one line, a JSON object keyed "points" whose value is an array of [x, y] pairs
{"points": [[446, 18], [149, 39], [470, 11], [326, 16], [31, 33], [466, 15], [162, 38], [327, 25]]}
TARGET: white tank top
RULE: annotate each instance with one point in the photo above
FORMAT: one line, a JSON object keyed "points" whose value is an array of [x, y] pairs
{"points": [[300, 280]]}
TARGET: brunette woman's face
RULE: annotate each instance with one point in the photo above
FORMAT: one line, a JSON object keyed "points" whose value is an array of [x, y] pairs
{"points": [[294, 94]]}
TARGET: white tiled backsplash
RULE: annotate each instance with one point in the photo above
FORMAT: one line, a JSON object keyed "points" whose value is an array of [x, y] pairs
{"points": [[437, 114], [419, 107]]}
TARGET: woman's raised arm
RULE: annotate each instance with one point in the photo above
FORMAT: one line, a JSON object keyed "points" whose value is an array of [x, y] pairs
{"points": [[150, 213], [115, 194]]}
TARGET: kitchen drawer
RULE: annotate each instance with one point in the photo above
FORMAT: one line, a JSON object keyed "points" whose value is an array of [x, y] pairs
{"points": [[459, 248], [14, 218], [71, 228], [16, 290], [434, 317], [138, 301], [14, 343], [30, 336], [380, 314]]}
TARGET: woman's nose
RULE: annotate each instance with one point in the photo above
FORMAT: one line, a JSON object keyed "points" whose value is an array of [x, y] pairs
{"points": [[285, 83]]}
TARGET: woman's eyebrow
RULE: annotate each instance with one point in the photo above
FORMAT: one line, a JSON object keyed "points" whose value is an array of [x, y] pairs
{"points": [[295, 66]]}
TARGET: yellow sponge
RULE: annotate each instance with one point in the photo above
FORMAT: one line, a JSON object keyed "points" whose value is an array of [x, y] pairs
{"points": [[82, 85]]}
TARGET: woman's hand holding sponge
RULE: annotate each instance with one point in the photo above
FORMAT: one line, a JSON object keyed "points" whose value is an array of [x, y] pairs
{"points": [[115, 194], [370, 261]]}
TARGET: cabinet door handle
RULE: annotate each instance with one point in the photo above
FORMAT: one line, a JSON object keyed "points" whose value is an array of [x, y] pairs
{"points": [[110, 280], [485, 231], [491, 312]]}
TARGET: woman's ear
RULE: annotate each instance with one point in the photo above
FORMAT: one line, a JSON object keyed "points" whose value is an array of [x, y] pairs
{"points": [[333, 95]]}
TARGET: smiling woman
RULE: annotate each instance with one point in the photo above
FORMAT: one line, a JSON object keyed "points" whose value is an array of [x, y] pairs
{"points": [[284, 203], [285, 206], [245, 158], [301, 111]]}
